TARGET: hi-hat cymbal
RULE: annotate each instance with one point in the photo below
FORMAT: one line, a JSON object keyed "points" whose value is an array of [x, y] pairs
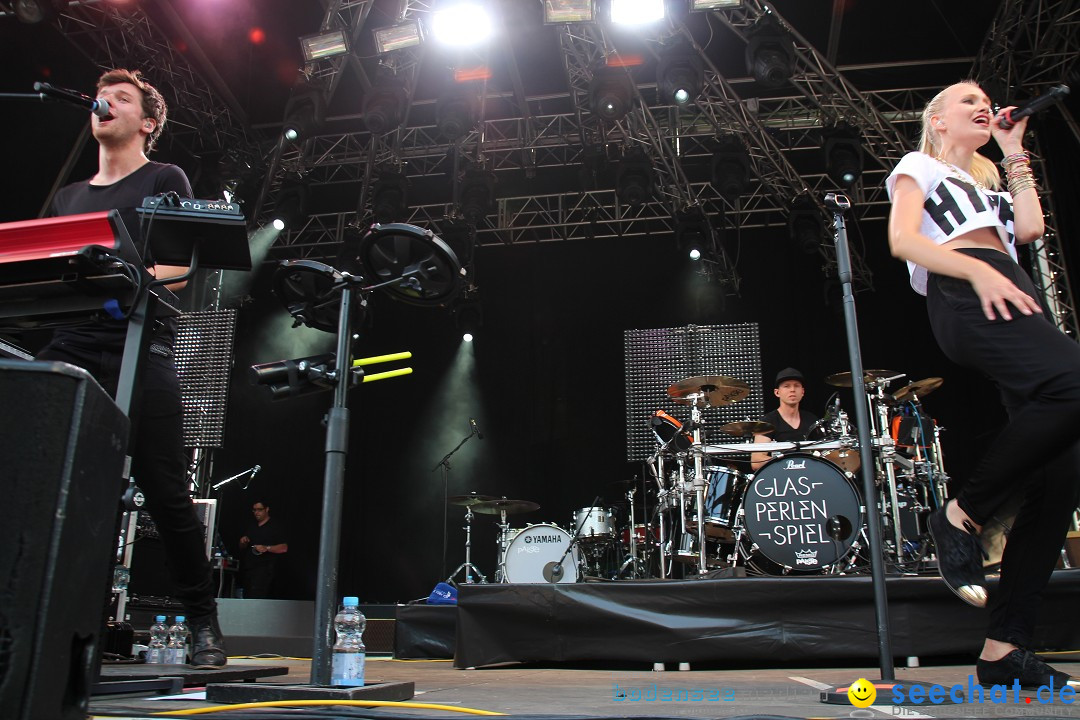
{"points": [[470, 499], [510, 507], [715, 390], [921, 388], [843, 379], [747, 427]]}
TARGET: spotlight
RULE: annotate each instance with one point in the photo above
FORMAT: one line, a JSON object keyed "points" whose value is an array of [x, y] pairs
{"points": [[461, 237], [324, 45], [278, 224], [457, 112], [679, 75], [398, 37], [468, 317], [770, 54], [32, 12], [806, 225], [730, 168], [291, 206], [692, 233], [636, 12], [304, 112], [384, 105], [610, 92], [634, 178], [461, 24], [388, 202], [568, 11], [477, 195], [843, 154]]}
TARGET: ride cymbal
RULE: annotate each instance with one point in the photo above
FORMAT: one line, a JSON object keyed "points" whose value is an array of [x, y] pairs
{"points": [[469, 500], [715, 390], [843, 379], [747, 427], [920, 388], [510, 507]]}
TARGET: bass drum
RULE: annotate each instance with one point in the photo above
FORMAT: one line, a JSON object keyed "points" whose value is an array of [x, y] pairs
{"points": [[802, 515], [534, 552]]}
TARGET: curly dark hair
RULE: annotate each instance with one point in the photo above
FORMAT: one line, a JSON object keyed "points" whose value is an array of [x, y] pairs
{"points": [[153, 104]]}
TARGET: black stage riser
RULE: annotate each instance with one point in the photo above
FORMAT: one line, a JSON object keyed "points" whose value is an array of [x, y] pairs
{"points": [[62, 440]]}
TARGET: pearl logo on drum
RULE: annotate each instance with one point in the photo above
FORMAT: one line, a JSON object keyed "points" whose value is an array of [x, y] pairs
{"points": [[793, 464]]}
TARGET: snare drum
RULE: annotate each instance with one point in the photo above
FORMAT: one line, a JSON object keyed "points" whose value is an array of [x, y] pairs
{"points": [[669, 430], [802, 513], [533, 553], [594, 524]]}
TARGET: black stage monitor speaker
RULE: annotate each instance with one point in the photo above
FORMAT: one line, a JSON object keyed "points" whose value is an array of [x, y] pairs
{"points": [[62, 445]]}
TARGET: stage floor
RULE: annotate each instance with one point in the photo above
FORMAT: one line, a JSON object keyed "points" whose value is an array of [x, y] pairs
{"points": [[538, 690]]}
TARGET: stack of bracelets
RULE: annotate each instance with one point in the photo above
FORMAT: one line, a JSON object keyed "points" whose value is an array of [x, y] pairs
{"points": [[1018, 172]]}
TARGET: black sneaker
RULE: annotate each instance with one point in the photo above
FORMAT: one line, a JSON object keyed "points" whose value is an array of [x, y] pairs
{"points": [[1022, 665], [207, 642], [960, 555]]}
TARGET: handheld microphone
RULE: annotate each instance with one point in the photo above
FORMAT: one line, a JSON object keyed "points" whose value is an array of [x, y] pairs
{"points": [[71, 97], [475, 429], [1048, 98], [255, 470]]}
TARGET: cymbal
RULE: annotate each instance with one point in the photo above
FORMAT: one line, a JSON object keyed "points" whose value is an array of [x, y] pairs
{"points": [[470, 499], [843, 379], [510, 507], [921, 388], [715, 389], [747, 427]]}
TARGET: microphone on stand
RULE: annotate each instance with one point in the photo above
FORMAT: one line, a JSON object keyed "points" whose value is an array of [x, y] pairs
{"points": [[476, 430], [1048, 98], [254, 471], [71, 97]]}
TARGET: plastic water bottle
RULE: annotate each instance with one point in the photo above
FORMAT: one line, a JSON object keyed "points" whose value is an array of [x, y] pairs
{"points": [[176, 650], [349, 623], [159, 635]]}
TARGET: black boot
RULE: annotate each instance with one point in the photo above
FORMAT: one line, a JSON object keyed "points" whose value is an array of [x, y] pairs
{"points": [[960, 555], [207, 642]]}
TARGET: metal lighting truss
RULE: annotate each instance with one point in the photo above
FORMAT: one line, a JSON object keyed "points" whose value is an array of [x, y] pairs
{"points": [[1033, 44]]}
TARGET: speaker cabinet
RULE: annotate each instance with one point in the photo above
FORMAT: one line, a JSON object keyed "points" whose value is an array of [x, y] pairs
{"points": [[63, 442]]}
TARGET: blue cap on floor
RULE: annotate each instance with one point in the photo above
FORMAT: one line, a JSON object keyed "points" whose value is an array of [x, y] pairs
{"points": [[443, 594]]}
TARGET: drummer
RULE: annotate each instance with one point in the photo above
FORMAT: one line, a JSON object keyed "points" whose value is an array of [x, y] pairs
{"points": [[789, 420]]}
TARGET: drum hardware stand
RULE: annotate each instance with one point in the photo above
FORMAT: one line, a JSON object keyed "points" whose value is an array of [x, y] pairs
{"points": [[633, 561], [445, 465], [504, 544], [467, 566], [837, 204], [699, 483]]}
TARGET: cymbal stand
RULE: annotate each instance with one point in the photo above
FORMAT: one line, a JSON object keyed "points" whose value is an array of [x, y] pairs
{"points": [[886, 446], [699, 482], [940, 484], [663, 496], [504, 544], [467, 566], [633, 561]]}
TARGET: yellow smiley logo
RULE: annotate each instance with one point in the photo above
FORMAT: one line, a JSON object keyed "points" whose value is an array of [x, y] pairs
{"points": [[862, 693]]}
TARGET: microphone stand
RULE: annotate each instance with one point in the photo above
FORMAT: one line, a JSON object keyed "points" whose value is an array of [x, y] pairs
{"points": [[445, 465], [556, 570], [837, 204], [251, 470]]}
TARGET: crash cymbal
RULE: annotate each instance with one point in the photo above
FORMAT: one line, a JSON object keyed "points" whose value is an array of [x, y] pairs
{"points": [[510, 507], [843, 379], [715, 390], [747, 427], [470, 499], [922, 388]]}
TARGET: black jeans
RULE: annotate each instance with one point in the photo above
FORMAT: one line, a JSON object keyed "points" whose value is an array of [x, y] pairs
{"points": [[1037, 370], [158, 466]]}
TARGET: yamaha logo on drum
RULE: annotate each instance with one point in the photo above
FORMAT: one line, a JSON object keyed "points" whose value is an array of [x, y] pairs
{"points": [[806, 557], [792, 464], [543, 538]]}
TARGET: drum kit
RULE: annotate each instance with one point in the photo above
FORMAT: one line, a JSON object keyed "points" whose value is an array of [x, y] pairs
{"points": [[801, 512]]}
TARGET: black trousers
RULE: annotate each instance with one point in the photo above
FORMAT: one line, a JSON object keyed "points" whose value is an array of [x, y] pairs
{"points": [[158, 466], [1037, 370]]}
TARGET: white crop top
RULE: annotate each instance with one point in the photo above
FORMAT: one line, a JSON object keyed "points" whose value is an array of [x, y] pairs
{"points": [[954, 205]]}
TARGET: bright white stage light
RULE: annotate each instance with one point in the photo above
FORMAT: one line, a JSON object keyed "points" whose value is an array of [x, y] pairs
{"points": [[636, 12], [467, 337], [695, 254], [462, 24], [278, 224]]}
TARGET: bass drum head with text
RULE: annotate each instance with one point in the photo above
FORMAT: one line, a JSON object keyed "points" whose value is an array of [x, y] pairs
{"points": [[801, 513], [533, 553]]}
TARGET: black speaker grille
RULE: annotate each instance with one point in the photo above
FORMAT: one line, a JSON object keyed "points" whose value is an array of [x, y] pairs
{"points": [[658, 358]]}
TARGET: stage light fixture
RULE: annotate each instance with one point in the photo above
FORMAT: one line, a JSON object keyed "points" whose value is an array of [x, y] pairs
{"points": [[698, 5], [389, 201], [636, 12], [304, 112], [32, 12], [843, 154], [461, 24], [324, 45], [291, 206], [634, 178], [460, 236], [458, 111], [398, 37], [468, 317], [806, 225], [730, 168], [692, 233], [568, 11], [477, 195], [384, 105], [611, 92], [680, 75], [770, 53]]}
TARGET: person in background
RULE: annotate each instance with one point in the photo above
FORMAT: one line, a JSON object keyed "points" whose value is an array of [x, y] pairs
{"points": [[260, 548]]}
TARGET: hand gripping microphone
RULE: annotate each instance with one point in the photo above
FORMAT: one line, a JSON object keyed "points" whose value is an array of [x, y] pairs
{"points": [[1039, 104], [71, 97]]}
